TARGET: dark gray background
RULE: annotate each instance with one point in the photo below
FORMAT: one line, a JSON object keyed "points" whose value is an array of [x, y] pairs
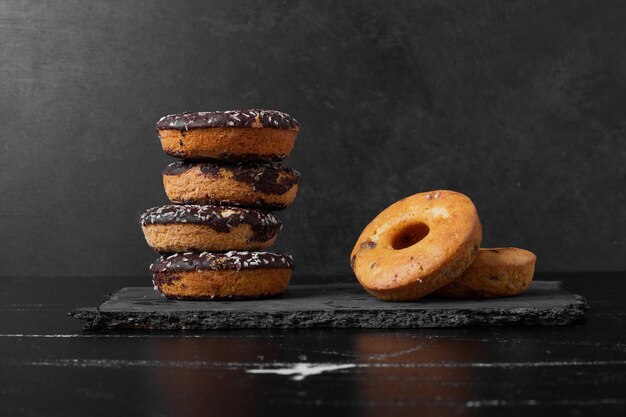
{"points": [[518, 104]]}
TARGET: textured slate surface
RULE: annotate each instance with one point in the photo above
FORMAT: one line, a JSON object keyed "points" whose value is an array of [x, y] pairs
{"points": [[335, 305]]}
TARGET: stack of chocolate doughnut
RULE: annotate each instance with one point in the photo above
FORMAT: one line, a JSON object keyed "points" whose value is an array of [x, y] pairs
{"points": [[227, 180], [429, 243]]}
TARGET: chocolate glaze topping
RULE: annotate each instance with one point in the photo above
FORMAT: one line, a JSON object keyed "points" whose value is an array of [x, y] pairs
{"points": [[233, 260], [260, 204], [178, 167], [234, 157], [264, 224], [263, 177], [256, 118], [250, 157]]}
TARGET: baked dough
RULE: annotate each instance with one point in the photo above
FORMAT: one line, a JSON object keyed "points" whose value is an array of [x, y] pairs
{"points": [[235, 135], [496, 272], [269, 186], [417, 245], [207, 276], [181, 228]]}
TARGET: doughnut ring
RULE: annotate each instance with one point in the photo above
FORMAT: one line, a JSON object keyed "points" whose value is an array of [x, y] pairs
{"points": [[417, 245], [230, 275], [181, 228], [496, 272], [234, 135]]}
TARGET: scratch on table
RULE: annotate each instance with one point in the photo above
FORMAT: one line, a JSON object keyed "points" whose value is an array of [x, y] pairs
{"points": [[380, 356], [504, 365], [299, 371], [532, 402]]}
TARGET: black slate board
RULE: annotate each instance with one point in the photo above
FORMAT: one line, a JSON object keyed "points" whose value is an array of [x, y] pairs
{"points": [[332, 305]]}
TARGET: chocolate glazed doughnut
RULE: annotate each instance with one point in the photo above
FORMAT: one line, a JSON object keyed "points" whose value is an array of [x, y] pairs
{"points": [[206, 276], [269, 186], [177, 228], [236, 135]]}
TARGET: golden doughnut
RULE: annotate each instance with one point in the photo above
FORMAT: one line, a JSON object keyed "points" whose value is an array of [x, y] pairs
{"points": [[417, 245], [496, 272]]}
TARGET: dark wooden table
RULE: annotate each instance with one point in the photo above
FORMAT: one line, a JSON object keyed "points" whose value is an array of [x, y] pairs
{"points": [[48, 366]]}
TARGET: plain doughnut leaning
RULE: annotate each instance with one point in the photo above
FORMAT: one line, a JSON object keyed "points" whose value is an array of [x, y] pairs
{"points": [[417, 245], [496, 272]]}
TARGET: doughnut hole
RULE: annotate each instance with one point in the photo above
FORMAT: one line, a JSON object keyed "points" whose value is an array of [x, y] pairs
{"points": [[409, 235]]}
